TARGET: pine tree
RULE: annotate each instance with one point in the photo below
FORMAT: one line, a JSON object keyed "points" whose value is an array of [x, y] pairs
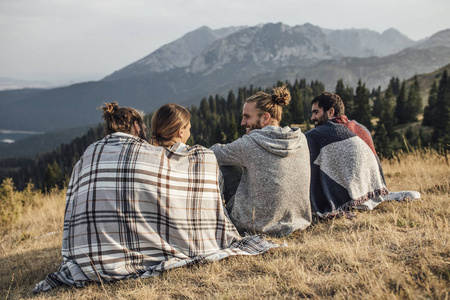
{"points": [[231, 131], [346, 94], [416, 101], [362, 105], [221, 105], [395, 85], [400, 114], [387, 113], [382, 141], [231, 101], [302, 83], [317, 87], [340, 88], [212, 104], [377, 103], [296, 107], [204, 108], [441, 122], [413, 103], [242, 96], [218, 135], [430, 109], [53, 176]]}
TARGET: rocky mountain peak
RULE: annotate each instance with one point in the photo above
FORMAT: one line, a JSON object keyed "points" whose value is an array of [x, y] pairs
{"points": [[261, 48], [176, 54], [366, 43]]}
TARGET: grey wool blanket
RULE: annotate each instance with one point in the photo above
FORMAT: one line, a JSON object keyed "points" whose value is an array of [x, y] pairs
{"points": [[133, 210], [345, 169]]}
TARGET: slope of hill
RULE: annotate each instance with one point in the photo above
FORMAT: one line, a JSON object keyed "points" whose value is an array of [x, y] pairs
{"points": [[441, 38], [10, 97], [426, 80], [396, 251]]}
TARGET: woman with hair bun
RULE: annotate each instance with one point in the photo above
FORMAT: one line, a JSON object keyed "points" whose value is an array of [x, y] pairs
{"points": [[123, 119], [267, 187]]}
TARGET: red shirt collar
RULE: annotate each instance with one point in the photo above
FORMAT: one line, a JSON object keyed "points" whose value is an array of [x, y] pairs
{"points": [[340, 120]]}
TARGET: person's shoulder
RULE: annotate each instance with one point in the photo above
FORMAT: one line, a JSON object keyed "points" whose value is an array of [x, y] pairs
{"points": [[361, 125], [201, 151], [294, 130], [95, 144], [198, 148], [314, 131]]}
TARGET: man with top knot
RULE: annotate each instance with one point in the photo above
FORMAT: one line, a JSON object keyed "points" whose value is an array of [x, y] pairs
{"points": [[267, 171]]}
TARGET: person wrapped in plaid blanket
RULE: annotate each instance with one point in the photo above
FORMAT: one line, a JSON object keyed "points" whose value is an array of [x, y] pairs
{"points": [[134, 209]]}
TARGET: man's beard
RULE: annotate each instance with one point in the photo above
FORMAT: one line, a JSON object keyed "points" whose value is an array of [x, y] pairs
{"points": [[256, 126], [322, 120]]}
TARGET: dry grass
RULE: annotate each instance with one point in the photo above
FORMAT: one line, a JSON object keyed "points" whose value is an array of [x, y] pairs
{"points": [[397, 251]]}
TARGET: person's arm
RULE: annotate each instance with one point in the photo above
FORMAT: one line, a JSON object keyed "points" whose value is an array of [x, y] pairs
{"points": [[230, 154]]}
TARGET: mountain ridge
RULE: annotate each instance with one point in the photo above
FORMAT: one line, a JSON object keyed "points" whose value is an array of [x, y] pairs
{"points": [[261, 55], [176, 54]]}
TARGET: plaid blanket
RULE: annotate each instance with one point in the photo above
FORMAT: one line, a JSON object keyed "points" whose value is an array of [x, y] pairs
{"points": [[345, 169], [133, 210]]}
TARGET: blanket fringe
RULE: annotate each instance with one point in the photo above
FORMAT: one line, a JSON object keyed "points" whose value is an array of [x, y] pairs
{"points": [[343, 210]]}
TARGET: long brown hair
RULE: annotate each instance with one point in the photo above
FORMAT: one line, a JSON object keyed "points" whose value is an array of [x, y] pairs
{"points": [[271, 104], [120, 119], [166, 122]]}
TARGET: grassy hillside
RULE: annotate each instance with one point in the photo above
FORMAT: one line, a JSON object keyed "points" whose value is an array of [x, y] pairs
{"points": [[397, 251]]}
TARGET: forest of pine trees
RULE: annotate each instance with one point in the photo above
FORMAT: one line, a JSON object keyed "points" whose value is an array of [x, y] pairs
{"points": [[437, 113], [217, 120]]}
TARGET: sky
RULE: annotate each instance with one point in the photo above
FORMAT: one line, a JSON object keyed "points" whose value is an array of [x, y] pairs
{"points": [[67, 41]]}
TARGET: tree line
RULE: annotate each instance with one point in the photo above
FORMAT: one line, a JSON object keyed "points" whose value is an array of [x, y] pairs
{"points": [[217, 120]]}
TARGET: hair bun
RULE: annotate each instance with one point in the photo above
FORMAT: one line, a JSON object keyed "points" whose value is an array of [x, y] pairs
{"points": [[281, 95], [109, 109]]}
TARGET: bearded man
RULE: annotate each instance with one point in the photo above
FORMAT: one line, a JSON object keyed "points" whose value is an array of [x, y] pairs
{"points": [[345, 169], [269, 190]]}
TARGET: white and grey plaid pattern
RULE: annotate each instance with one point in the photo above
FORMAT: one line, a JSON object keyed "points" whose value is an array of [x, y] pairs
{"points": [[133, 209]]}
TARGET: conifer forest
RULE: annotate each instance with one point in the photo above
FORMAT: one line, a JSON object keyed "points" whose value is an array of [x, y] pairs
{"points": [[399, 118]]}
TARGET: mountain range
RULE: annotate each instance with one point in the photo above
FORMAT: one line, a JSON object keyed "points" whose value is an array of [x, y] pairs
{"points": [[207, 61]]}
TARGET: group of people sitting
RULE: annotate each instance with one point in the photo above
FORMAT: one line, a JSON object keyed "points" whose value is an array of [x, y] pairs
{"points": [[135, 208]]}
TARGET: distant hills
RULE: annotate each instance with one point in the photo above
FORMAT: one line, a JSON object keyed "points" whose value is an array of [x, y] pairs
{"points": [[374, 71], [208, 61], [11, 84], [32, 145]]}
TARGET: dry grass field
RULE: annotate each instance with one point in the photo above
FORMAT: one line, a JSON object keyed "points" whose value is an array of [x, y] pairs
{"points": [[397, 251]]}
